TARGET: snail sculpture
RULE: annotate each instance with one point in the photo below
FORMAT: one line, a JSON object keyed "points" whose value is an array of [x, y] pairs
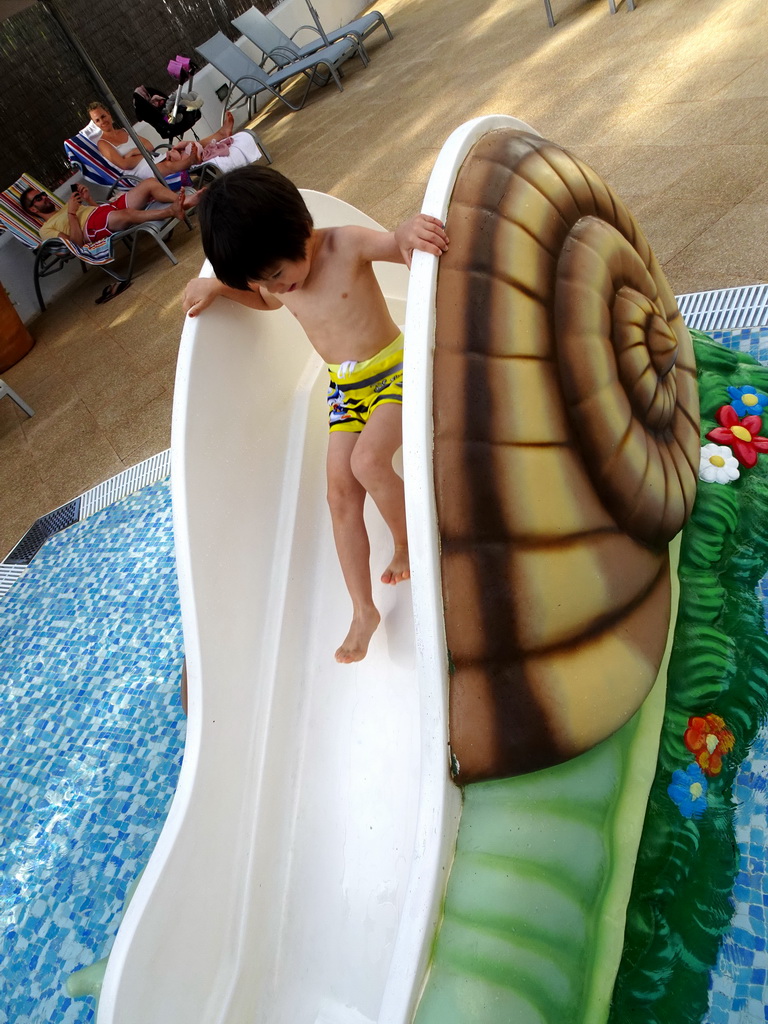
{"points": [[566, 457]]}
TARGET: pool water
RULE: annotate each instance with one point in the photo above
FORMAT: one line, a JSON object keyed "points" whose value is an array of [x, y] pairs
{"points": [[739, 983], [93, 732], [751, 340]]}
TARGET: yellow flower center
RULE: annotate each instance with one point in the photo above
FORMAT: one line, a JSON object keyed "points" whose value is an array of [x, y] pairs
{"points": [[742, 433], [717, 460], [696, 790], [749, 399], [712, 742]]}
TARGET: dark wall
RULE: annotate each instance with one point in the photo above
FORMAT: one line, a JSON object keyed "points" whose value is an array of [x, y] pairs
{"points": [[45, 91]]}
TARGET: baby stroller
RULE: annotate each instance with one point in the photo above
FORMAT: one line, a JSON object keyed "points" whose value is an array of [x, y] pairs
{"points": [[151, 105]]}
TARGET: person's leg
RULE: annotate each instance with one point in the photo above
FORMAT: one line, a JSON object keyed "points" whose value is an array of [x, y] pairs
{"points": [[140, 196], [371, 463], [118, 220], [346, 498], [149, 191], [227, 129], [243, 151], [183, 163]]}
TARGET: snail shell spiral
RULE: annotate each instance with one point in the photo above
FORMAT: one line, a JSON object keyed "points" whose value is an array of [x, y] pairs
{"points": [[566, 456]]}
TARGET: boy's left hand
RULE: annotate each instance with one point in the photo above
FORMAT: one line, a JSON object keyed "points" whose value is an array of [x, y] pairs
{"points": [[421, 232]]}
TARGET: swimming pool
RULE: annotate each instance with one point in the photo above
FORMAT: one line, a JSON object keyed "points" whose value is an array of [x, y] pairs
{"points": [[90, 660], [739, 983]]}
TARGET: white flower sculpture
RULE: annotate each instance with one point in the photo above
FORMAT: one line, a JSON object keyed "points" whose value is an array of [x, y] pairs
{"points": [[717, 464]]}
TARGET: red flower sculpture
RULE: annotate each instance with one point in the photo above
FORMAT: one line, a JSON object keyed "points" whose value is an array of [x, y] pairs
{"points": [[708, 739], [741, 435]]}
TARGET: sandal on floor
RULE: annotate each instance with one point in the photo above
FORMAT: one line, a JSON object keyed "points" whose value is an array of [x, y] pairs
{"points": [[112, 290]]}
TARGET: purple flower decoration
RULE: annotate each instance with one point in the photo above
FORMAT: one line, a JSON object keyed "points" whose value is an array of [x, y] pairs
{"points": [[747, 401], [688, 790]]}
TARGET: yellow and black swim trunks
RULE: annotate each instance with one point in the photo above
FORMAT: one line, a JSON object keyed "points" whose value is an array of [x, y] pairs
{"points": [[356, 389]]}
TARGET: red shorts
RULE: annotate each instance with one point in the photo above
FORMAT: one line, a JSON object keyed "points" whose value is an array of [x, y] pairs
{"points": [[96, 226]]}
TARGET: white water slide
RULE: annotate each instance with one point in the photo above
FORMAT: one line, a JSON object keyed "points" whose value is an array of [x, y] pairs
{"points": [[299, 876]]}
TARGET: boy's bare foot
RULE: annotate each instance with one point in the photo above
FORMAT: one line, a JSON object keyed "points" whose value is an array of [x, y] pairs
{"points": [[355, 646], [399, 568]]}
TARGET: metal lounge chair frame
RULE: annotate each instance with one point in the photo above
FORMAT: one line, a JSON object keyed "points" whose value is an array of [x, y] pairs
{"points": [[281, 48], [6, 389], [358, 29], [246, 76], [611, 7], [51, 254], [84, 156]]}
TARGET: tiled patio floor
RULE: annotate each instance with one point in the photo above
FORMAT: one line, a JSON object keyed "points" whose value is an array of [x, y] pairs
{"points": [[668, 102]]}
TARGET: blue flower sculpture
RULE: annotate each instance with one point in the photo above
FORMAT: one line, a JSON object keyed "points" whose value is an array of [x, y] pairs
{"points": [[747, 401], [688, 790]]}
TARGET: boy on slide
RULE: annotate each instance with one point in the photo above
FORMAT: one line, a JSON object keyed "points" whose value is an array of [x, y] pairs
{"points": [[259, 237]]}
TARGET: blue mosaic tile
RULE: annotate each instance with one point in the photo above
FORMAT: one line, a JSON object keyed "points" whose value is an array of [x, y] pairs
{"points": [[738, 991], [752, 340], [90, 661]]}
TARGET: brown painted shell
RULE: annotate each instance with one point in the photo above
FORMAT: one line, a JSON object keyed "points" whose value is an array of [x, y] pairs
{"points": [[566, 456]]}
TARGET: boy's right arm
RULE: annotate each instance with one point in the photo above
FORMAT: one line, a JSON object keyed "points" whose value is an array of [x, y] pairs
{"points": [[201, 291]]}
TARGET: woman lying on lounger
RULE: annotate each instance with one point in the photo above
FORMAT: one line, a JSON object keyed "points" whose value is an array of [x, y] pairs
{"points": [[223, 149]]}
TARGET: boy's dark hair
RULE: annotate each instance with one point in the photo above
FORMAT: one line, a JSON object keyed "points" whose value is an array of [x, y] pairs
{"points": [[251, 219]]}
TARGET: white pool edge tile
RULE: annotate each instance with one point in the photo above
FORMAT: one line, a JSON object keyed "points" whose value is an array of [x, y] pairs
{"points": [[155, 468]]}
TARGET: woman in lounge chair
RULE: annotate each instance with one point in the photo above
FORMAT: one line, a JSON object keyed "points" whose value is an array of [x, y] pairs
{"points": [[223, 149]]}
